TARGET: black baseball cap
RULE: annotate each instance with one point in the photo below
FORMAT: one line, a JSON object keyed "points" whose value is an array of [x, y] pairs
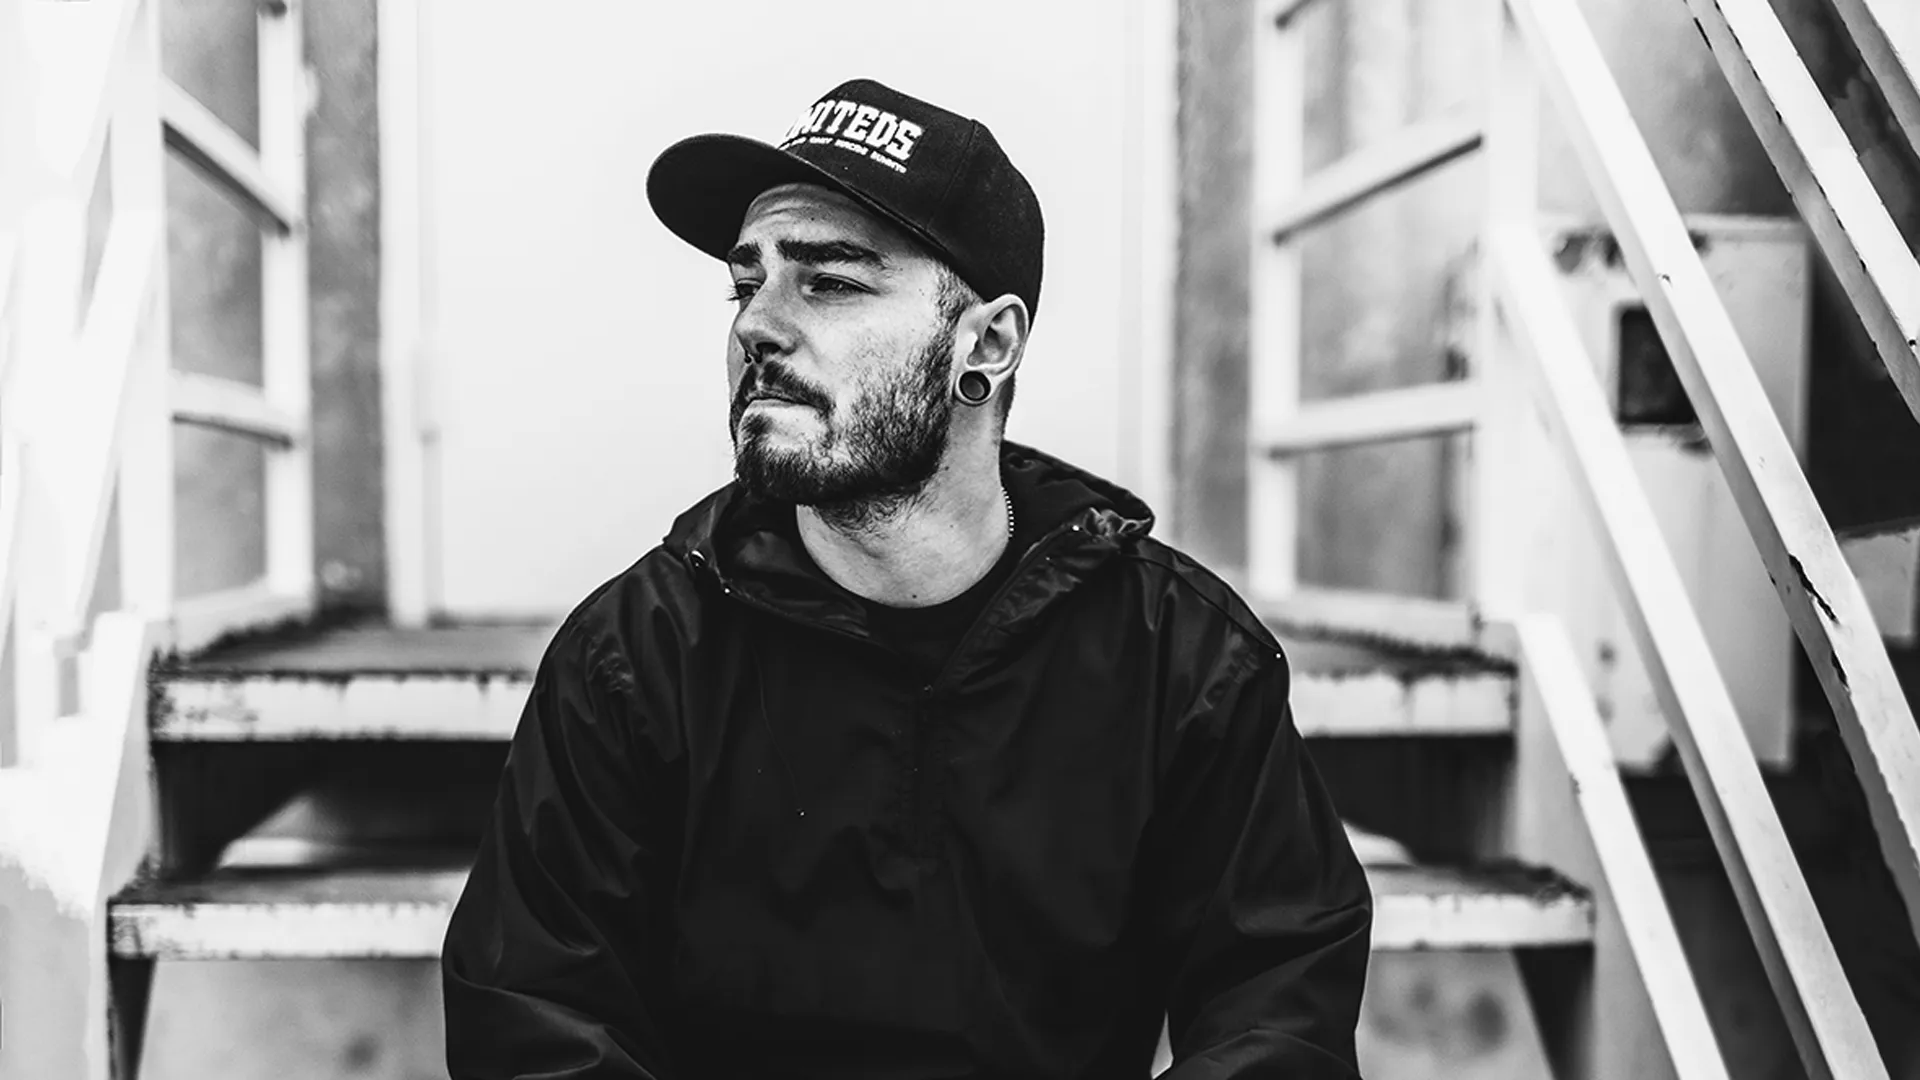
{"points": [[938, 175]]}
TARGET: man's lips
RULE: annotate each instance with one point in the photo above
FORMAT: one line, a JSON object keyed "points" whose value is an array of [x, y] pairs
{"points": [[767, 395]]}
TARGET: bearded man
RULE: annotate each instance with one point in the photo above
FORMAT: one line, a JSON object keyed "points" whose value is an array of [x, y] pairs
{"points": [[909, 753]]}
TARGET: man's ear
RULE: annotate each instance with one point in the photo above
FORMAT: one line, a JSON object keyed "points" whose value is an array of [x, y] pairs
{"points": [[999, 337]]}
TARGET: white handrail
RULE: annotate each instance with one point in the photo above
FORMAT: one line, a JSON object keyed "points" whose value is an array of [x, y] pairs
{"points": [[1823, 600], [81, 421], [1829, 185], [1558, 718], [74, 114], [74, 416], [12, 536], [1821, 597], [1814, 995]]}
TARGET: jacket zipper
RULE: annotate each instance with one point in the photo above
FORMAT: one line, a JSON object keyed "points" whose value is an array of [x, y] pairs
{"points": [[1042, 551]]}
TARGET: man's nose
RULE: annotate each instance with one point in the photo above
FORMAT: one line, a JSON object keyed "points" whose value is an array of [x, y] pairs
{"points": [[762, 327]]}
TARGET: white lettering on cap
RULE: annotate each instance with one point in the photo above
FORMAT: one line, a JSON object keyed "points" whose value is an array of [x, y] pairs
{"points": [[863, 118], [903, 140], [855, 123], [841, 110], [883, 128], [809, 121]]}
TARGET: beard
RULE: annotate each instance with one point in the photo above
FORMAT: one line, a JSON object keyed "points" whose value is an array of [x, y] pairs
{"points": [[888, 449]]}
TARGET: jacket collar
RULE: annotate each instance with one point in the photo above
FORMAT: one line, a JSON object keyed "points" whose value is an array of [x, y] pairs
{"points": [[744, 547]]}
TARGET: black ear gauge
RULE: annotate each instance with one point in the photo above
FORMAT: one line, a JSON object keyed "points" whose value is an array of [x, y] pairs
{"points": [[974, 388]]}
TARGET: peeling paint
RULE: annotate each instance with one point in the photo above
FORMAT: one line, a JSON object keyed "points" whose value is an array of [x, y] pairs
{"points": [[1538, 882], [1497, 905], [1807, 584], [1397, 656], [373, 707]]}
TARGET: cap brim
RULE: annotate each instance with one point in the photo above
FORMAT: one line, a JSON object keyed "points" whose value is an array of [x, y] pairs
{"points": [[700, 187]]}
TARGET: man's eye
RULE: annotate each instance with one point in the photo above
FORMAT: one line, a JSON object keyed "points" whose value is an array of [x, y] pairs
{"points": [[834, 285], [742, 291]]}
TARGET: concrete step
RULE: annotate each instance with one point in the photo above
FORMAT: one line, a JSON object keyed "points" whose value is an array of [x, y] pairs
{"points": [[295, 900], [372, 682]]}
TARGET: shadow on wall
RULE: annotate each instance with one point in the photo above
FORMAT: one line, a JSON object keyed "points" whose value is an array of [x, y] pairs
{"points": [[296, 1020], [1461, 1015]]}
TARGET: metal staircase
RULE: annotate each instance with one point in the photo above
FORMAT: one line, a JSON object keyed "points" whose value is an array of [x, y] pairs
{"points": [[312, 791], [361, 857]]}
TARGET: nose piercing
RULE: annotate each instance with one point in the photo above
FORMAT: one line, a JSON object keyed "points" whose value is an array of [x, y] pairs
{"points": [[974, 388]]}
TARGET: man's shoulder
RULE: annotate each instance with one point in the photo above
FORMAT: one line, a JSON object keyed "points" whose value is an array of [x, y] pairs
{"points": [[646, 605], [1192, 598]]}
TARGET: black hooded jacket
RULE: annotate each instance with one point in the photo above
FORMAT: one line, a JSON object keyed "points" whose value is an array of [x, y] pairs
{"points": [[736, 838]]}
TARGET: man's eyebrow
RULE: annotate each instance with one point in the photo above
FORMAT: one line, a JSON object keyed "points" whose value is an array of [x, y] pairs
{"points": [[819, 253], [745, 255]]}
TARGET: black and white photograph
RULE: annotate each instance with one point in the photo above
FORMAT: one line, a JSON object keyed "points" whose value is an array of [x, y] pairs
{"points": [[556, 541]]}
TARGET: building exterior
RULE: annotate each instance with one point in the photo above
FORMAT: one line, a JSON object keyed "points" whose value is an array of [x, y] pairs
{"points": [[401, 352]]}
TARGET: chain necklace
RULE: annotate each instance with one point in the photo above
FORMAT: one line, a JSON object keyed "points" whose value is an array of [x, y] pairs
{"points": [[1007, 496]]}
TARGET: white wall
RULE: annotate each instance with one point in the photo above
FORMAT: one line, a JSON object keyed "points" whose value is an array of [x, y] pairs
{"points": [[577, 394]]}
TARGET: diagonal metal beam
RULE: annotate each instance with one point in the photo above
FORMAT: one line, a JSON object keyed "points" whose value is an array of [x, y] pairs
{"points": [[1819, 1005], [1822, 598], [1823, 171]]}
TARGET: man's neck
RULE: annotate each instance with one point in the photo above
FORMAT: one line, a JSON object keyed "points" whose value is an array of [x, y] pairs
{"points": [[923, 550]]}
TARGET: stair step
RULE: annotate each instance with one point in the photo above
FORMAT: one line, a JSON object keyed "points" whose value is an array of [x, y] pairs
{"points": [[365, 907], [469, 682], [360, 910]]}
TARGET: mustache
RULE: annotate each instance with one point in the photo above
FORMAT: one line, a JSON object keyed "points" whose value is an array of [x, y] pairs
{"points": [[768, 377]]}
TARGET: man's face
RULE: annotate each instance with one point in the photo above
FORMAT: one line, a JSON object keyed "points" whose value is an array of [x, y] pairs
{"points": [[839, 357]]}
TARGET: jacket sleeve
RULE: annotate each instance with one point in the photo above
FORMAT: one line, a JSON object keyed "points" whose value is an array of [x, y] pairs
{"points": [[1264, 914], [553, 958]]}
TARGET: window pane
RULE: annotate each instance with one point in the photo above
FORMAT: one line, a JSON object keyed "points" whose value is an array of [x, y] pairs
{"points": [[219, 510], [211, 49], [213, 266]]}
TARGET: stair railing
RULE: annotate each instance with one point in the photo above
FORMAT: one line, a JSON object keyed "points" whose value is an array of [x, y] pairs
{"points": [[16, 126], [1821, 168], [1631, 1008], [1546, 45], [84, 438], [86, 484], [88, 400], [1882, 280]]}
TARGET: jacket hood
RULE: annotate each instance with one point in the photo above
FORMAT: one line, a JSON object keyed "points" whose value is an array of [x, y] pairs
{"points": [[745, 546]]}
